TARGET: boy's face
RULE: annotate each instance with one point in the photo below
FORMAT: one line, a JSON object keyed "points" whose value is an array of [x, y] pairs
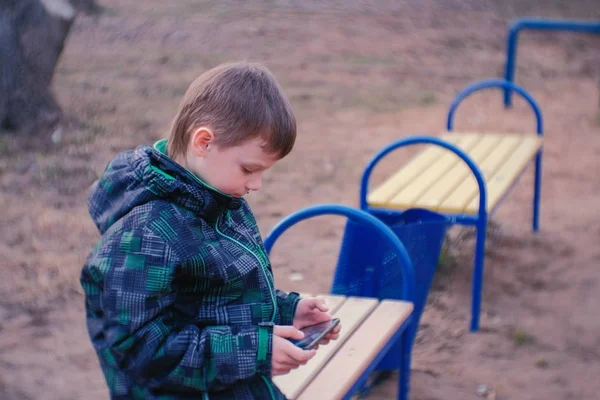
{"points": [[234, 170]]}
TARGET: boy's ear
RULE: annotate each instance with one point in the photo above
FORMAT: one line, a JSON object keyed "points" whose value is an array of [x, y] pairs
{"points": [[201, 139]]}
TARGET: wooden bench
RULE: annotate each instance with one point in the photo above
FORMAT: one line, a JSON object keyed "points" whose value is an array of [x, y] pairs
{"points": [[372, 329], [462, 175], [339, 369], [438, 180]]}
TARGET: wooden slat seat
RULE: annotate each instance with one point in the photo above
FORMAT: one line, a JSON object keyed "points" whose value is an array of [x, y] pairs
{"points": [[367, 325], [438, 180]]}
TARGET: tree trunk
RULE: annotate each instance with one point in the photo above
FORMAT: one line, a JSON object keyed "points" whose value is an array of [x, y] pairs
{"points": [[32, 35]]}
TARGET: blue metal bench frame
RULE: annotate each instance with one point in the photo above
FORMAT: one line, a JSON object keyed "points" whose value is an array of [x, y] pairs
{"points": [[406, 333], [481, 219], [545, 24]]}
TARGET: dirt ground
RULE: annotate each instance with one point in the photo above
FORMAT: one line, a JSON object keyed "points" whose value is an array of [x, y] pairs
{"points": [[359, 74]]}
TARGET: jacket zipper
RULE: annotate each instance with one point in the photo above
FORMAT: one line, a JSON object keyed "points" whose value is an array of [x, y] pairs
{"points": [[260, 262], [264, 271], [270, 387], [266, 258]]}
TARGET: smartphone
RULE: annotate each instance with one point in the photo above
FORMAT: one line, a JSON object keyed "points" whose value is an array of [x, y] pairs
{"points": [[314, 333]]}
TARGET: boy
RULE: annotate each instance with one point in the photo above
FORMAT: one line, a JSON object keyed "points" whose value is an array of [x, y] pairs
{"points": [[180, 297]]}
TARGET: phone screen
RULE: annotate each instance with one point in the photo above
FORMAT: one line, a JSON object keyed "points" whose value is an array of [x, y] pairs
{"points": [[314, 333]]}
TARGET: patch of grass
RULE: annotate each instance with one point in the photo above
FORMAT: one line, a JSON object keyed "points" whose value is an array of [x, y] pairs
{"points": [[538, 284], [111, 12], [522, 338], [101, 10], [447, 264], [428, 98], [65, 179], [89, 131], [376, 101], [359, 59], [5, 144], [447, 261], [178, 91], [542, 363], [53, 172], [85, 137], [94, 128]]}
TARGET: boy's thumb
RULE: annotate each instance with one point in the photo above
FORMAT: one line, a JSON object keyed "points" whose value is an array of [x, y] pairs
{"points": [[322, 305], [288, 331]]}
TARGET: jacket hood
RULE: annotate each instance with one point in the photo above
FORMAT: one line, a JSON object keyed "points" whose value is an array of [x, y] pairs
{"points": [[139, 176]]}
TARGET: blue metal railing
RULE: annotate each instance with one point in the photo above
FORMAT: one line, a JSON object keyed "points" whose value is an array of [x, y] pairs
{"points": [[407, 332], [357, 216], [480, 221], [496, 83], [545, 24], [510, 86]]}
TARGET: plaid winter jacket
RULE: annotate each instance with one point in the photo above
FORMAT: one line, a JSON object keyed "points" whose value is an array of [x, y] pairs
{"points": [[179, 292]]}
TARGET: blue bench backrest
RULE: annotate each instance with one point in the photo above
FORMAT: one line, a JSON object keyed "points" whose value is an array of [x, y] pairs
{"points": [[369, 266]]}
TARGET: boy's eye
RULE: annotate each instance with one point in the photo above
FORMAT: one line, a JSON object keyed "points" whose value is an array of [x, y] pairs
{"points": [[246, 170]]}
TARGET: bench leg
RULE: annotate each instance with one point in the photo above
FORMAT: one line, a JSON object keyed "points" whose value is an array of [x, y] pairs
{"points": [[404, 371], [537, 191], [478, 274]]}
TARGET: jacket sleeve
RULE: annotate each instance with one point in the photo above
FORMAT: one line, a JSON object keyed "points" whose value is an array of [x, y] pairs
{"points": [[146, 336], [287, 303]]}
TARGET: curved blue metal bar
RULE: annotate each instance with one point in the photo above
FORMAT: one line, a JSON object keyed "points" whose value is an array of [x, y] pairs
{"points": [[539, 24], [509, 86], [408, 275], [480, 222], [422, 140], [496, 83], [357, 216]]}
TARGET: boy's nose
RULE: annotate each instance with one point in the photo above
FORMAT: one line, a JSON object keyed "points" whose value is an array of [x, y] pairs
{"points": [[255, 183]]}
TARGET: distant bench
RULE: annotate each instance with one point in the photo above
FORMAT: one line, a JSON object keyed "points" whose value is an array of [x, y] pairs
{"points": [[463, 176]]}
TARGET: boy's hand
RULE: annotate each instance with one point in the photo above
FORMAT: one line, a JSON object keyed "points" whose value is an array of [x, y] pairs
{"points": [[311, 311], [287, 356], [333, 335]]}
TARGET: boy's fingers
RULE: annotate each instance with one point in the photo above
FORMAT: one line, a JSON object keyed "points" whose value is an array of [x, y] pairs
{"points": [[280, 371], [304, 362], [291, 365], [320, 304], [332, 337], [334, 332], [281, 359], [299, 355], [294, 354], [287, 331], [287, 364]]}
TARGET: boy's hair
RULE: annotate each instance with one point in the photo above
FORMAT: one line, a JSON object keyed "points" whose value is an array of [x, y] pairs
{"points": [[238, 101]]}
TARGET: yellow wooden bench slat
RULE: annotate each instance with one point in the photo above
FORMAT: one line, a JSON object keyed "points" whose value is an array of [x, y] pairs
{"points": [[434, 196], [382, 194], [407, 196], [447, 185], [468, 191], [404, 176], [507, 145], [355, 355], [507, 173], [458, 199], [351, 313]]}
